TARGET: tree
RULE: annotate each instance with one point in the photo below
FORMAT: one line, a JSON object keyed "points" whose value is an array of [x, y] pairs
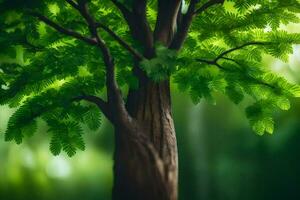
{"points": [[79, 59]]}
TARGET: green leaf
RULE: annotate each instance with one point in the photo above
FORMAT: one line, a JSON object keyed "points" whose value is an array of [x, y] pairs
{"points": [[218, 84], [55, 144], [259, 127], [235, 94], [66, 136], [92, 118], [283, 103], [269, 125], [69, 149], [162, 66], [295, 90], [30, 128]]}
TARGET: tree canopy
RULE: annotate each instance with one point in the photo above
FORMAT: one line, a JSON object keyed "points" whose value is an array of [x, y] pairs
{"points": [[51, 59]]}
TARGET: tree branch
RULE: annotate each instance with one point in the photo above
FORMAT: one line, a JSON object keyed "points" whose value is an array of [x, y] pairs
{"points": [[165, 26], [211, 62], [215, 63], [184, 25], [230, 59], [115, 100], [108, 60], [187, 19], [122, 42], [103, 106], [72, 3], [31, 46], [136, 19], [238, 48], [207, 5], [63, 30], [138, 24], [143, 30], [83, 9], [121, 7], [221, 56]]}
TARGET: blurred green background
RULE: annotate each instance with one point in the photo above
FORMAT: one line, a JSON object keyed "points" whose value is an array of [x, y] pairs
{"points": [[220, 157]]}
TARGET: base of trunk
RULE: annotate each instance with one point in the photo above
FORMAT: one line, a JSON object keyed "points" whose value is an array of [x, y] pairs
{"points": [[146, 152]]}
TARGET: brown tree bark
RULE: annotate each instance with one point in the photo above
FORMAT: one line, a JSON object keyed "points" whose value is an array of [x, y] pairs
{"points": [[146, 160], [146, 163]]}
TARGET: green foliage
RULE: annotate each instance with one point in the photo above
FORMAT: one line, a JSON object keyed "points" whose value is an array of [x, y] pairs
{"points": [[67, 135], [162, 66], [47, 73], [92, 118], [240, 73], [43, 70]]}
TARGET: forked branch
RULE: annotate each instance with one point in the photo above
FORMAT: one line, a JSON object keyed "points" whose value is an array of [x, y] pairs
{"points": [[83, 10], [187, 19], [122, 42], [138, 24], [223, 54], [211, 62], [183, 26], [166, 20], [115, 100]]}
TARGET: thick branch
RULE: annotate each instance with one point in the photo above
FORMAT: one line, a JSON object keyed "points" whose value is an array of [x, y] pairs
{"points": [[187, 19], [122, 42], [138, 24], [143, 30], [166, 20], [184, 25], [140, 30], [63, 30]]}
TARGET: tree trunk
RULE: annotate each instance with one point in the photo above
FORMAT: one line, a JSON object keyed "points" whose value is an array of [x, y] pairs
{"points": [[146, 163]]}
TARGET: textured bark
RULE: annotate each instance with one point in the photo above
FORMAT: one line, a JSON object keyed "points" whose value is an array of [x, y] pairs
{"points": [[146, 160], [146, 152]]}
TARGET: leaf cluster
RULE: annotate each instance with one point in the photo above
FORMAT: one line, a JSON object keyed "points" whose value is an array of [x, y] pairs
{"points": [[44, 71]]}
